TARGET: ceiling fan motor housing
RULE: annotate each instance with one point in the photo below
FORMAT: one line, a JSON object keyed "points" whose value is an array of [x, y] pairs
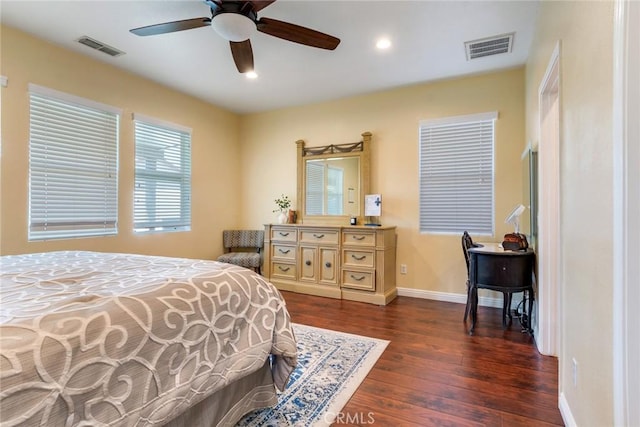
{"points": [[234, 21]]}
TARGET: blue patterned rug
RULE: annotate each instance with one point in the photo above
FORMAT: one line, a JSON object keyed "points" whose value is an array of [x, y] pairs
{"points": [[331, 366]]}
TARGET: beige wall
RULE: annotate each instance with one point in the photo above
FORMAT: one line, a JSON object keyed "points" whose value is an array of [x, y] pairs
{"points": [[215, 153], [434, 262], [585, 31]]}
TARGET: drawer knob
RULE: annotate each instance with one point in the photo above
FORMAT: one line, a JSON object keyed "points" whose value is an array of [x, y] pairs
{"points": [[357, 278], [328, 264], [285, 269], [318, 236], [284, 234], [358, 237], [282, 251], [358, 258], [308, 262]]}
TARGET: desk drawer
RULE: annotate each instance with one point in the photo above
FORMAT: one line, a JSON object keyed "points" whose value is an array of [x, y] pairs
{"points": [[359, 238], [363, 280], [283, 252], [355, 258], [507, 271], [324, 237], [283, 271], [284, 234]]}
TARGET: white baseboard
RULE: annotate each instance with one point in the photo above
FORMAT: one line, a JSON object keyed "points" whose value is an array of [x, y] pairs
{"points": [[565, 411], [448, 297]]}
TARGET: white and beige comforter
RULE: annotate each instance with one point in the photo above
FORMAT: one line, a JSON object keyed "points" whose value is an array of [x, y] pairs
{"points": [[90, 338]]}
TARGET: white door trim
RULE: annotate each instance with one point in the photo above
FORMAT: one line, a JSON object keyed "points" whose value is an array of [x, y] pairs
{"points": [[626, 223], [547, 331]]}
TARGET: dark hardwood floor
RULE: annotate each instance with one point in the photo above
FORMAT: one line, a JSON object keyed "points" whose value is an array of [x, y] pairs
{"points": [[433, 373]]}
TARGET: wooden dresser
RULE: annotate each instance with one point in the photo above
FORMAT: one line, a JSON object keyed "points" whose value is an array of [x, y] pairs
{"points": [[354, 262]]}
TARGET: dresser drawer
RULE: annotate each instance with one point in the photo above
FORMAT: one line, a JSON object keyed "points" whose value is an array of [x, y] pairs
{"points": [[284, 234], [363, 280], [283, 271], [358, 258], [321, 237], [359, 238], [283, 252]]}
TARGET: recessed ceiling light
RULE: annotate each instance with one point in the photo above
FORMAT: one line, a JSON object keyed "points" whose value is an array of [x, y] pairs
{"points": [[251, 75], [383, 43]]}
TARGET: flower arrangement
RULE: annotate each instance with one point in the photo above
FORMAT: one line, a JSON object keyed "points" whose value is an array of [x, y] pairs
{"points": [[283, 203]]}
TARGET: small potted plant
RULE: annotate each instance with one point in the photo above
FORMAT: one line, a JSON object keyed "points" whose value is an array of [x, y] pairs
{"points": [[283, 203]]}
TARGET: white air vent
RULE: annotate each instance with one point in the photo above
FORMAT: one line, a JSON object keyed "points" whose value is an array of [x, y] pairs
{"points": [[489, 46], [95, 44]]}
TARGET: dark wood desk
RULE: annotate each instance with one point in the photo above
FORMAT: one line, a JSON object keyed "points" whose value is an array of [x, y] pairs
{"points": [[491, 267]]}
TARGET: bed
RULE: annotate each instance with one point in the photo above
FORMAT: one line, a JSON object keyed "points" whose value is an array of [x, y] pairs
{"points": [[105, 339]]}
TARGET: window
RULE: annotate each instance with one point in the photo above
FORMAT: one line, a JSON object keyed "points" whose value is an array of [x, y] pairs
{"points": [[73, 166], [456, 174], [163, 176]]}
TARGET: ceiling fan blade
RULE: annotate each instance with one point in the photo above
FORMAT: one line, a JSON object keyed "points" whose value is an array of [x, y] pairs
{"points": [[258, 5], [297, 34], [242, 55], [171, 27]]}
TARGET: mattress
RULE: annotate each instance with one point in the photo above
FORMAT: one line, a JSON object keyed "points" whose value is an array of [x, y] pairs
{"points": [[91, 338]]}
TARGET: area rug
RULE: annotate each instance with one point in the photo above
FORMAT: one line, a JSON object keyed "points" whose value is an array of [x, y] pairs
{"points": [[331, 366]]}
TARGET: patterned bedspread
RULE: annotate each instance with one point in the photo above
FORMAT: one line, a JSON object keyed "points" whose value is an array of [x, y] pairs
{"points": [[90, 338]]}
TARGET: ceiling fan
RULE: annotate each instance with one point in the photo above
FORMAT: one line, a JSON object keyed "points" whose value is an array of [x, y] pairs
{"points": [[236, 21]]}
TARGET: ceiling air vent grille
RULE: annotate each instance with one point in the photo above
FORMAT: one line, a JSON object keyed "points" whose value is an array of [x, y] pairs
{"points": [[489, 46], [95, 44]]}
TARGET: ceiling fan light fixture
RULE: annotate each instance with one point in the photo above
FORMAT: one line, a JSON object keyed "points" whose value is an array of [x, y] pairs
{"points": [[233, 26]]}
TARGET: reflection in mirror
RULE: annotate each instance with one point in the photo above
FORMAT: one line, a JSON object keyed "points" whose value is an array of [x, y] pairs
{"points": [[331, 185]]}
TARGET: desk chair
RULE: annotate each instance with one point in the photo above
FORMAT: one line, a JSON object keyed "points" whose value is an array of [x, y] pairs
{"points": [[243, 248], [467, 242]]}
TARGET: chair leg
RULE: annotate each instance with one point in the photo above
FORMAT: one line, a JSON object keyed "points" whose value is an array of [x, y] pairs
{"points": [[467, 308], [474, 309]]}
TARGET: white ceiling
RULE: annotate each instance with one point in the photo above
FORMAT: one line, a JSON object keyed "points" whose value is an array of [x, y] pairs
{"points": [[427, 44]]}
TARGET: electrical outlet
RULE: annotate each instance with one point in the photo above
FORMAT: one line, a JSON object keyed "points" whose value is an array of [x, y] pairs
{"points": [[574, 370], [403, 268]]}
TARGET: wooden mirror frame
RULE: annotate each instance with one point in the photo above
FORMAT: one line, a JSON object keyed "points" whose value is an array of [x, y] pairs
{"points": [[360, 150]]}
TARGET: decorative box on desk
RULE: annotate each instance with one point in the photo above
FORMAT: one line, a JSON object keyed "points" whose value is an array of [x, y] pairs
{"points": [[354, 262]]}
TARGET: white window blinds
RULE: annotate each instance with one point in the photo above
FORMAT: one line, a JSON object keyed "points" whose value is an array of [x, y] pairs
{"points": [[163, 176], [73, 166], [456, 174]]}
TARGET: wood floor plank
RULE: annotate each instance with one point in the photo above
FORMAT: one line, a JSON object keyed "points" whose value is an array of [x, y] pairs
{"points": [[433, 373]]}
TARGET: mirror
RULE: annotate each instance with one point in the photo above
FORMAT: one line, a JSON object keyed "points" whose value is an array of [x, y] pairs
{"points": [[530, 193], [332, 181]]}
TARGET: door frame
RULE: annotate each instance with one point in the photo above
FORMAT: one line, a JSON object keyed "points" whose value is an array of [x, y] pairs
{"points": [[548, 328], [626, 205]]}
